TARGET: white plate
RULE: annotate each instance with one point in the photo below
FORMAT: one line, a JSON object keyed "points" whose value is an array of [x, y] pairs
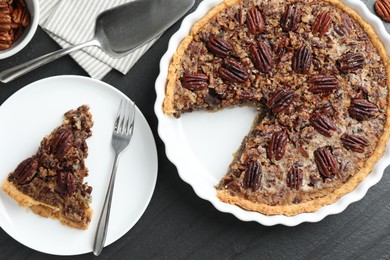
{"points": [[201, 144], [33, 112]]}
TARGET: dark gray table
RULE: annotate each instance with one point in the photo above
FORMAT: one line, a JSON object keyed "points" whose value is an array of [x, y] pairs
{"points": [[178, 224]]}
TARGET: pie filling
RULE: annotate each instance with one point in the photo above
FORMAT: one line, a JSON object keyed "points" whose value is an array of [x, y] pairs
{"points": [[51, 182], [316, 73]]}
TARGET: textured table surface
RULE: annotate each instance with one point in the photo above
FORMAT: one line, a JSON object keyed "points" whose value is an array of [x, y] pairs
{"points": [[178, 224]]}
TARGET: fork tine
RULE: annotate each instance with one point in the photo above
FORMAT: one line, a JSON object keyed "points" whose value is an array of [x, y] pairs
{"points": [[117, 118], [130, 125]]}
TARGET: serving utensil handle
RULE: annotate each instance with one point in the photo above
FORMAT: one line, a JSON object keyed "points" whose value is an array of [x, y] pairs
{"points": [[19, 70]]}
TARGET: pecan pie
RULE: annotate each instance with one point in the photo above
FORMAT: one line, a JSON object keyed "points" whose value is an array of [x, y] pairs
{"points": [[51, 182], [317, 74]]}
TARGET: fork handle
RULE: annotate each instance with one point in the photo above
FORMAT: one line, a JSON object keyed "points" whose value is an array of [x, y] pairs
{"points": [[101, 232]]}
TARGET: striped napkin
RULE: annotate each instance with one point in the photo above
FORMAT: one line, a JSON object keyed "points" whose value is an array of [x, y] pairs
{"points": [[71, 22]]}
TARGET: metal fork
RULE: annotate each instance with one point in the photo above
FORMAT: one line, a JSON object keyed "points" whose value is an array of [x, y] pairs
{"points": [[121, 136]]}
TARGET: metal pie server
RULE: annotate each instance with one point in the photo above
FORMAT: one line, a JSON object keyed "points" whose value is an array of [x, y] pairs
{"points": [[118, 31]]}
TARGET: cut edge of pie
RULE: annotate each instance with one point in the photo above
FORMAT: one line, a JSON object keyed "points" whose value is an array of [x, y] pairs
{"points": [[57, 195], [309, 206]]}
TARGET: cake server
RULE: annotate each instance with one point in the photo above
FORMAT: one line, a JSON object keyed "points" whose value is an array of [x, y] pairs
{"points": [[118, 31]]}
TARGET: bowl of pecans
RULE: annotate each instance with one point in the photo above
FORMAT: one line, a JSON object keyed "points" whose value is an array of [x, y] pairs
{"points": [[18, 23]]}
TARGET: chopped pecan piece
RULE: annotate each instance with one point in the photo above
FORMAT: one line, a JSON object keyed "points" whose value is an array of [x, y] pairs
{"points": [[240, 17], [291, 18], [326, 162], [277, 146], [195, 81], [66, 183], [301, 61], [382, 9], [219, 46], [255, 21], [233, 71], [323, 83], [252, 177], [354, 142], [25, 171], [61, 143], [322, 23], [294, 178], [350, 62], [323, 124], [280, 100], [262, 57], [362, 109]]}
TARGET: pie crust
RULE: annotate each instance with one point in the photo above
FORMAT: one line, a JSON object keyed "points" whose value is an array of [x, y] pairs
{"points": [[51, 182], [324, 193]]}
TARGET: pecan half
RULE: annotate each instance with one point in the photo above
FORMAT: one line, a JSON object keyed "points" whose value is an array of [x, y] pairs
{"points": [[301, 61], [362, 109], [322, 23], [4, 8], [354, 142], [262, 57], [25, 171], [291, 18], [322, 123], [323, 84], [252, 177], [280, 100], [277, 146], [233, 71], [61, 143], [350, 62], [345, 26], [66, 183], [382, 9], [219, 46], [20, 16], [326, 162], [195, 81], [294, 178], [255, 21]]}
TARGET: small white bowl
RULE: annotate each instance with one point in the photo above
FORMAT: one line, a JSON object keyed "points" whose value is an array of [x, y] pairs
{"points": [[189, 143], [28, 33]]}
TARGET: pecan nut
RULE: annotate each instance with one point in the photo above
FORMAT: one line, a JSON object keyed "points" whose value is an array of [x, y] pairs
{"points": [[66, 183], [322, 123], [280, 100], [277, 146], [255, 21], [219, 46], [345, 26], [354, 142], [294, 178], [326, 163], [323, 84], [382, 9], [252, 177], [61, 143], [291, 18], [25, 171], [350, 62], [362, 109], [5, 8], [20, 16], [233, 71], [322, 23], [262, 57], [195, 81], [301, 61]]}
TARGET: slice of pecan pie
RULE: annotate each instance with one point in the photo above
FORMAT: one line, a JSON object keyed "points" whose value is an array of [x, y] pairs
{"points": [[51, 182], [318, 75]]}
